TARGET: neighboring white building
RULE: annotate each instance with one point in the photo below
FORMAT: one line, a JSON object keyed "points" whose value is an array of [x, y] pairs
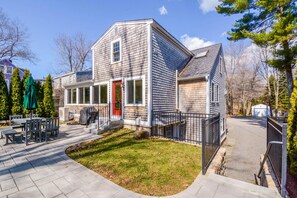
{"points": [[260, 110]]}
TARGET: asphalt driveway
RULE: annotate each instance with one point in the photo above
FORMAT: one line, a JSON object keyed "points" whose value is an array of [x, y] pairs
{"points": [[246, 141]]}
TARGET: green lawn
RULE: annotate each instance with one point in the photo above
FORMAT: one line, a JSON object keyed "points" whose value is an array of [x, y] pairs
{"points": [[151, 167]]}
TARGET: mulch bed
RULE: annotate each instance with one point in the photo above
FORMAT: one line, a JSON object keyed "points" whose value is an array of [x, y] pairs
{"points": [[292, 185]]}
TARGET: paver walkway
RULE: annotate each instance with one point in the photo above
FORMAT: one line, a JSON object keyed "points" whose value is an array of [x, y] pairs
{"points": [[246, 141], [44, 170]]}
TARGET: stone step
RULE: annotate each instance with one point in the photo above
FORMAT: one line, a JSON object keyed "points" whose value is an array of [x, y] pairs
{"points": [[242, 186]]}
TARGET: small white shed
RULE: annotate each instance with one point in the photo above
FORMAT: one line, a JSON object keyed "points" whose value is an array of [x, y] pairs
{"points": [[260, 110]]}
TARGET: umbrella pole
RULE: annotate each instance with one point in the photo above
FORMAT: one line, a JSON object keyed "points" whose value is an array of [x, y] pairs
{"points": [[31, 115]]}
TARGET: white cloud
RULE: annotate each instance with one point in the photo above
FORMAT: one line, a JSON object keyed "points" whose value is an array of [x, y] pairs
{"points": [[208, 5], [163, 10], [224, 34], [194, 42]]}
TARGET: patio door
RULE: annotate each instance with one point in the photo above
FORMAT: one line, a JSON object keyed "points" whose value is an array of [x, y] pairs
{"points": [[117, 97]]}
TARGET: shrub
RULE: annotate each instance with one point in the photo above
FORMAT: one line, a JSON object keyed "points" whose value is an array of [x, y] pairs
{"points": [[48, 100], [16, 93], [4, 98], [141, 134], [292, 132]]}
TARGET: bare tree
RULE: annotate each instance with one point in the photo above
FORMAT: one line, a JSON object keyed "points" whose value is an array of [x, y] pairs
{"points": [[13, 40], [74, 52]]}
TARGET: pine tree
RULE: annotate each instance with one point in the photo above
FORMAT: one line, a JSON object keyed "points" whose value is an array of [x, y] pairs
{"points": [[25, 77], [39, 95], [267, 23], [292, 131], [4, 98], [48, 99], [16, 93]]}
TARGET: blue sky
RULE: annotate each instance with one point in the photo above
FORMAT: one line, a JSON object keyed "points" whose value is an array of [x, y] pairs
{"points": [[193, 22]]}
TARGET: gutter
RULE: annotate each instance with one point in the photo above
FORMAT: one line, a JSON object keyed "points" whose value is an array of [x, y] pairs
{"points": [[192, 78], [87, 82]]}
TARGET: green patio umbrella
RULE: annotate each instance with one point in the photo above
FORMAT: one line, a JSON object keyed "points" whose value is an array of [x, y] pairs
{"points": [[30, 101]]}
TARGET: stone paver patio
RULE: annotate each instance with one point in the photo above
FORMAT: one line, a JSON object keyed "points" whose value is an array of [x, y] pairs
{"points": [[44, 170]]}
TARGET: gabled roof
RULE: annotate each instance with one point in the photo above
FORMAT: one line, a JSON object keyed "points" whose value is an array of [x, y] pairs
{"points": [[154, 24], [201, 65]]}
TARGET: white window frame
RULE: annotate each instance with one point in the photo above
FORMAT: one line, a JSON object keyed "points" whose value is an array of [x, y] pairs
{"points": [[7, 69], [99, 84], [73, 95], [67, 92], [111, 50], [215, 92], [84, 101], [143, 90]]}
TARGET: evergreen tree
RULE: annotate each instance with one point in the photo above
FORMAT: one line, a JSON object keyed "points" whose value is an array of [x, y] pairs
{"points": [[39, 97], [267, 23], [25, 77], [16, 93], [48, 99], [4, 98], [292, 131]]}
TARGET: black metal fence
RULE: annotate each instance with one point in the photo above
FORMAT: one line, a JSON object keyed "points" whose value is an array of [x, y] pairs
{"points": [[195, 128], [274, 133], [178, 126], [211, 141], [109, 112]]}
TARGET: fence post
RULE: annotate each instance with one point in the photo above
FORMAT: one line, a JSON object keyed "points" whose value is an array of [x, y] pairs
{"points": [[203, 146], [109, 111], [284, 161]]}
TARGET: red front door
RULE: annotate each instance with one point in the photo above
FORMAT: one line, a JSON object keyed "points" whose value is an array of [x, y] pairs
{"points": [[117, 97]]}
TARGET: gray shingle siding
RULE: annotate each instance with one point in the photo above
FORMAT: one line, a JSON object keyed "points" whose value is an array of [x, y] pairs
{"points": [[134, 49], [166, 59], [220, 79]]}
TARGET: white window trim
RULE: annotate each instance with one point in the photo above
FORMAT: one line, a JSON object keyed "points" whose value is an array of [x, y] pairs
{"points": [[216, 95], [111, 50], [73, 95], [143, 91], [83, 96], [7, 69], [102, 83]]}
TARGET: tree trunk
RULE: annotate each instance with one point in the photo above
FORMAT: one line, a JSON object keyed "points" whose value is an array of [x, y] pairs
{"points": [[290, 82]]}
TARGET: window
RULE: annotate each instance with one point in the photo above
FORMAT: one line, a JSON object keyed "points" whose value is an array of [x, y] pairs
{"points": [[116, 51], [87, 95], [103, 94], [214, 92], [134, 91], [81, 95], [217, 93], [71, 96], [9, 70], [100, 94], [74, 96], [68, 96], [96, 94], [84, 95]]}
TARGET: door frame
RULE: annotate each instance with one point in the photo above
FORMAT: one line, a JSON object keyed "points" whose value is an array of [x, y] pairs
{"points": [[111, 94]]}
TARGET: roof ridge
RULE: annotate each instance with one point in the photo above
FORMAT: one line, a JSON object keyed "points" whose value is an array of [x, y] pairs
{"points": [[206, 46]]}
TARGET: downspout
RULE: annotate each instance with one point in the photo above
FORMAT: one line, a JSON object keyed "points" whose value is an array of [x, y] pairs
{"points": [[149, 79], [207, 110], [177, 91]]}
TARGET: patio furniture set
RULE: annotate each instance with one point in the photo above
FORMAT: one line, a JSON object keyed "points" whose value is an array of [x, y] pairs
{"points": [[30, 128]]}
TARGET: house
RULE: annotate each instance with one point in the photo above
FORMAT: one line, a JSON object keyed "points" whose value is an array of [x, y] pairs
{"points": [[139, 67], [71, 78], [7, 68]]}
